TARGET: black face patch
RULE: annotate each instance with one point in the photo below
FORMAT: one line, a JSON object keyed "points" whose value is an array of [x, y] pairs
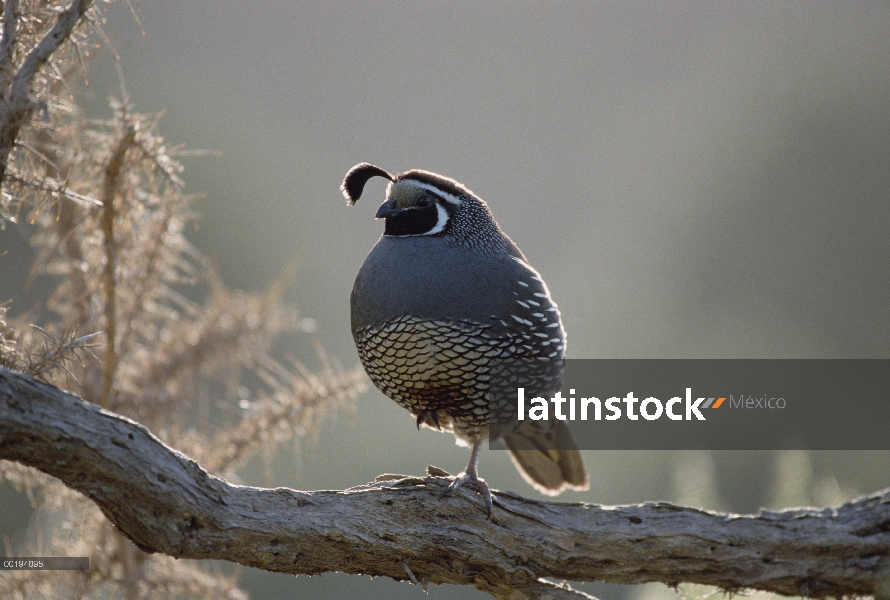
{"points": [[412, 221]]}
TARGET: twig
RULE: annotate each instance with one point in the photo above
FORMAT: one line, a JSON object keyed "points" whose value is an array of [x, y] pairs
{"points": [[56, 188], [164, 502], [135, 15], [7, 44]]}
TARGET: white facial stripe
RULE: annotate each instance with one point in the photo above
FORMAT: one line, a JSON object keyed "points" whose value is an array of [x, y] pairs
{"points": [[441, 223], [431, 188]]}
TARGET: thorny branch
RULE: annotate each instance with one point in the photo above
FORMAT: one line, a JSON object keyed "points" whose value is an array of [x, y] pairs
{"points": [[398, 527], [16, 106], [110, 185]]}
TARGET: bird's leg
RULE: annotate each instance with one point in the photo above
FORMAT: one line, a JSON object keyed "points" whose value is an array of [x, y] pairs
{"points": [[471, 478]]}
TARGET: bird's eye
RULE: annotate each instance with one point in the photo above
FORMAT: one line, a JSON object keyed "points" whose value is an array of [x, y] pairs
{"points": [[423, 201]]}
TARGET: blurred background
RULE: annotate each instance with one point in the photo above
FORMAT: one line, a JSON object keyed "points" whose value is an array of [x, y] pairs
{"points": [[692, 180]]}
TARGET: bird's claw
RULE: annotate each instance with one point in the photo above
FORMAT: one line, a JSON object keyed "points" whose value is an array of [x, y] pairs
{"points": [[472, 481]]}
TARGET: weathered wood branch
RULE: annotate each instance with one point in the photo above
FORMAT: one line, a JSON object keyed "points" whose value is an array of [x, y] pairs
{"points": [[164, 502]]}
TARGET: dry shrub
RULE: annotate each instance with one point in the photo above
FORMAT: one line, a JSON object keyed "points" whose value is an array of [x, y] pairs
{"points": [[138, 321]]}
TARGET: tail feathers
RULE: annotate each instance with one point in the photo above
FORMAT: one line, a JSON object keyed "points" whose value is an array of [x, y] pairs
{"points": [[550, 471]]}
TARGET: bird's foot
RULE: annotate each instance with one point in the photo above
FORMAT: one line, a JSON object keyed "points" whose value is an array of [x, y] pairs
{"points": [[471, 480]]}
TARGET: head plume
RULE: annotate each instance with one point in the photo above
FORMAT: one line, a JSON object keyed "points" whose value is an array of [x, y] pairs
{"points": [[357, 177]]}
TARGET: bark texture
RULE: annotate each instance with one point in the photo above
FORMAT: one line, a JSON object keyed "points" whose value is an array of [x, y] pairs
{"points": [[400, 528]]}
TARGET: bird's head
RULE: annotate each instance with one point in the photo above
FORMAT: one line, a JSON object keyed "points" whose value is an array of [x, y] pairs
{"points": [[420, 202]]}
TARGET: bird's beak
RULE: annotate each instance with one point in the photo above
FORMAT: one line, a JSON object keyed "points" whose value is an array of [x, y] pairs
{"points": [[387, 209]]}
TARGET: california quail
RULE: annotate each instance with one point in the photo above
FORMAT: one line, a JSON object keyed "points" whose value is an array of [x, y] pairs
{"points": [[442, 294]]}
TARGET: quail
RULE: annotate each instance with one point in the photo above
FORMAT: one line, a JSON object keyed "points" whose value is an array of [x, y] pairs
{"points": [[442, 295]]}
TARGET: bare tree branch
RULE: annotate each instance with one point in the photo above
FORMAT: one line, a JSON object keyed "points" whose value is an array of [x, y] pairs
{"points": [[16, 106], [400, 528]]}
